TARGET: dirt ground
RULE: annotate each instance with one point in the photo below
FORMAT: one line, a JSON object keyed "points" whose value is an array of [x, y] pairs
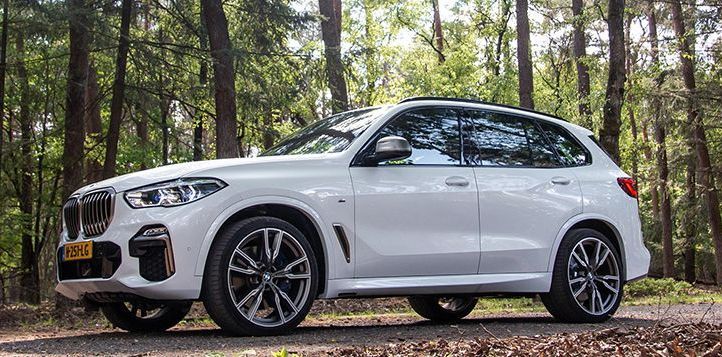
{"points": [[324, 335]]}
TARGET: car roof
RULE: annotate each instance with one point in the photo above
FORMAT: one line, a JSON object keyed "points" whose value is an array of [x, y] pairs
{"points": [[495, 106]]}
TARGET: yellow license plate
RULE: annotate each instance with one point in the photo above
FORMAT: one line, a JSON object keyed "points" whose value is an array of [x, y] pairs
{"points": [[78, 251]]}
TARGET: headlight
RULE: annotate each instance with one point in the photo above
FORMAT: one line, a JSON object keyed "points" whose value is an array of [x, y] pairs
{"points": [[173, 193]]}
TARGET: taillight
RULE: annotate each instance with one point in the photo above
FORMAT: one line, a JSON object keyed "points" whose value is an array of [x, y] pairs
{"points": [[628, 185]]}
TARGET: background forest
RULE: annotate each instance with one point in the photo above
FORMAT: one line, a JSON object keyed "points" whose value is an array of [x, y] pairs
{"points": [[90, 89]]}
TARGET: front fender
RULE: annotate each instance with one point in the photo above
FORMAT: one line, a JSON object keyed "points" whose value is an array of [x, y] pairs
{"points": [[255, 201]]}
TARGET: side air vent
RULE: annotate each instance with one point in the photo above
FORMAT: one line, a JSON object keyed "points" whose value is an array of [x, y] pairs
{"points": [[343, 241]]}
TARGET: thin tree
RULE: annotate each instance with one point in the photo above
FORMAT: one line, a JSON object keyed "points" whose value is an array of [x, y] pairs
{"points": [[93, 125], [202, 81], [523, 52], [580, 58], [331, 34], [438, 32], [116, 103], [224, 79], [163, 101], [3, 68], [29, 273], [660, 137], [612, 113], [706, 178]]}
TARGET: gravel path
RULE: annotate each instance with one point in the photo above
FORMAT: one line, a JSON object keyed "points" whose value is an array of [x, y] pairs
{"points": [[317, 335]]}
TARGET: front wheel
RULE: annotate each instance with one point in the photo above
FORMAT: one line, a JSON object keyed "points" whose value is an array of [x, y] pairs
{"points": [[443, 309], [261, 277], [139, 316], [587, 278]]}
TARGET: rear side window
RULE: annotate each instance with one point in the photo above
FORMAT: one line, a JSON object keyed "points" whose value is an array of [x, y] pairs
{"points": [[497, 139], [571, 152], [433, 134]]}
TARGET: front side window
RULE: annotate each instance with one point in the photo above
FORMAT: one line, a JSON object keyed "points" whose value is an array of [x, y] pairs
{"points": [[433, 134], [497, 139], [333, 134], [569, 149]]}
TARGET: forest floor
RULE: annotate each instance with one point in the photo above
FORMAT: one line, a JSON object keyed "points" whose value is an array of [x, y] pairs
{"points": [[386, 327]]}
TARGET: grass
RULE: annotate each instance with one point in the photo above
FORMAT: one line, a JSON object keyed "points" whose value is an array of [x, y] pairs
{"points": [[643, 292]]}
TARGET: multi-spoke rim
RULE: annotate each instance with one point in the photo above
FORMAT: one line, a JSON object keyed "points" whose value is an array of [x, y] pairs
{"points": [[454, 303], [594, 276], [269, 277], [144, 310]]}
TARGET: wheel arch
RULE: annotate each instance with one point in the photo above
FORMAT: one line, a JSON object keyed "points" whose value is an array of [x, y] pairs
{"points": [[599, 223], [295, 212]]}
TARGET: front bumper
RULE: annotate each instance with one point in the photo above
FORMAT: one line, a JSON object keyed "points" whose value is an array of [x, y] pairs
{"points": [[125, 273]]}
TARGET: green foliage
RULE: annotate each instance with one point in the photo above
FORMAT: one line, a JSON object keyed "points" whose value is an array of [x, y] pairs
{"points": [[658, 287], [388, 55]]}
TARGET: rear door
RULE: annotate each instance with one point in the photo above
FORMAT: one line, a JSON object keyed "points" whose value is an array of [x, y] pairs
{"points": [[526, 191]]}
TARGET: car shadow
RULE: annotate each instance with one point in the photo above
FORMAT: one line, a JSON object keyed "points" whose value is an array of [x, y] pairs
{"points": [[304, 338]]}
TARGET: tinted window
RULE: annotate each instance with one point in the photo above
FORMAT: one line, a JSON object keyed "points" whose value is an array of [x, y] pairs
{"points": [[333, 134], [569, 149], [496, 139], [433, 134]]}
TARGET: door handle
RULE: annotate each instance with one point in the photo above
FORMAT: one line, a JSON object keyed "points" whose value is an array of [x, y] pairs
{"points": [[560, 180], [457, 181]]}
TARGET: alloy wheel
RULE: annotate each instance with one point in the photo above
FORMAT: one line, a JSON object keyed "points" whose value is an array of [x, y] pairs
{"points": [[269, 277], [594, 276], [455, 303]]}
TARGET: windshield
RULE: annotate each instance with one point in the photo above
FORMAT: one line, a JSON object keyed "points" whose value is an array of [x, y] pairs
{"points": [[329, 135]]}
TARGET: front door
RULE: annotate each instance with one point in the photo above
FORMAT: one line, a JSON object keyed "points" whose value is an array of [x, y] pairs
{"points": [[418, 216]]}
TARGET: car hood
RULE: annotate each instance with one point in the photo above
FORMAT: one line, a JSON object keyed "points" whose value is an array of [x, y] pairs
{"points": [[188, 169]]}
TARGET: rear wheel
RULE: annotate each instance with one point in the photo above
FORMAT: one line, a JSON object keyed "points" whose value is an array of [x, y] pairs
{"points": [[261, 277], [587, 279], [141, 316], [438, 308]]}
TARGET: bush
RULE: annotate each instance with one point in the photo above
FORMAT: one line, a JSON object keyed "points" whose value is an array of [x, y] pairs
{"points": [[666, 287]]}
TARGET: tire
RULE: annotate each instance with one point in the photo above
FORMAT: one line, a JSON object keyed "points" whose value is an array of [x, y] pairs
{"points": [[273, 283], [598, 287], [145, 316], [442, 309]]}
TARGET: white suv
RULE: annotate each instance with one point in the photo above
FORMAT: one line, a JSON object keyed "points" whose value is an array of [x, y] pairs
{"points": [[442, 200]]}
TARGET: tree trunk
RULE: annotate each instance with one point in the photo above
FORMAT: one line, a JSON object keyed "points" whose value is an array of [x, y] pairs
{"points": [[141, 129], [580, 55], [706, 178], [689, 221], [612, 114], [75, 107], [74, 138], [116, 104], [224, 77], [660, 137], [331, 34], [28, 273], [3, 68], [438, 33], [523, 53], [202, 81], [630, 57], [93, 125], [163, 104]]}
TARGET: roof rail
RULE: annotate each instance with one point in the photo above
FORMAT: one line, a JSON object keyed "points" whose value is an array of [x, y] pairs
{"points": [[477, 101]]}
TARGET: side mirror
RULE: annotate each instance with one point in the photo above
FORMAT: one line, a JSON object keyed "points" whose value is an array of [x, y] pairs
{"points": [[391, 148]]}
